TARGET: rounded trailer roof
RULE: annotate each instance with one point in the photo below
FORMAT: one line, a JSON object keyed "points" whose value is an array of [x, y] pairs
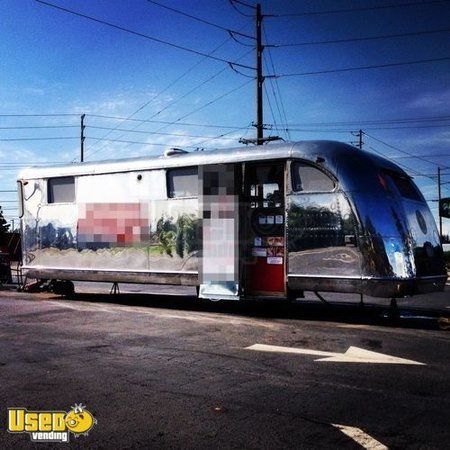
{"points": [[331, 152]]}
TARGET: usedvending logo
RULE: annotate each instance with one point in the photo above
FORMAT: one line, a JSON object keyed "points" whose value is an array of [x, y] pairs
{"points": [[51, 426]]}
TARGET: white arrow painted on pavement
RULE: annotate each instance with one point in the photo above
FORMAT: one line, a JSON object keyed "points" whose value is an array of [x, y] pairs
{"points": [[353, 354], [359, 436]]}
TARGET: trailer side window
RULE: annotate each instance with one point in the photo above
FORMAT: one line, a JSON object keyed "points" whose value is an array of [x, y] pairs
{"points": [[405, 186], [182, 182], [307, 178], [61, 190]]}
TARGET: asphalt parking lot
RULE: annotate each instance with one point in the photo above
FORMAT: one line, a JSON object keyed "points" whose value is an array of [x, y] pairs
{"points": [[166, 371]]}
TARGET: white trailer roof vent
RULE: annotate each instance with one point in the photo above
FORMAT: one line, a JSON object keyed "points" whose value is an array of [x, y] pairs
{"points": [[174, 152]]}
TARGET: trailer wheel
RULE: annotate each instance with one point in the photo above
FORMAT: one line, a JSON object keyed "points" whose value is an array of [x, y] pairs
{"points": [[292, 295], [62, 287]]}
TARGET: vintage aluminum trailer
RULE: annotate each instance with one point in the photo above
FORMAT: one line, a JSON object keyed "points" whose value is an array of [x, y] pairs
{"points": [[272, 220]]}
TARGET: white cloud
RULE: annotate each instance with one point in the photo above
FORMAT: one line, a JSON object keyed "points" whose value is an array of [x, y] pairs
{"points": [[434, 101]]}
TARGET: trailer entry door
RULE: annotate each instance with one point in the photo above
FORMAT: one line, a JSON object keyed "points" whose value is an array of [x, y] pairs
{"points": [[219, 208], [265, 229]]}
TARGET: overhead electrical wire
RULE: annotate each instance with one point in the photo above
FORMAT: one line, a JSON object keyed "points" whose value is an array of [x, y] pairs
{"points": [[348, 69], [289, 124], [271, 110], [200, 107], [38, 139], [146, 36], [198, 86], [158, 144], [275, 86], [100, 116], [172, 83], [439, 155], [352, 10], [359, 39], [150, 132], [232, 3], [410, 169], [377, 121], [39, 127], [220, 97], [39, 115], [412, 127], [414, 172], [199, 145], [199, 19], [157, 113], [400, 150]]}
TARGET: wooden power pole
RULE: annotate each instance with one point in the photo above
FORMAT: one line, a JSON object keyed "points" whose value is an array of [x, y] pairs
{"points": [[439, 201], [259, 79], [82, 138], [260, 139]]}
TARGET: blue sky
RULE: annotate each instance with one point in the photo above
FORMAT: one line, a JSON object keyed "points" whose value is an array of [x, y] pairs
{"points": [[53, 62]]}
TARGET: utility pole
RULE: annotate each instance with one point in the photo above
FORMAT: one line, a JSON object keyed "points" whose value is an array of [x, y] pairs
{"points": [[359, 134], [439, 201], [259, 78], [259, 125], [360, 141], [82, 138]]}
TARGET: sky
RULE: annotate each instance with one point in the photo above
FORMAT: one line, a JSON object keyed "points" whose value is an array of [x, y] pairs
{"points": [[62, 65]]}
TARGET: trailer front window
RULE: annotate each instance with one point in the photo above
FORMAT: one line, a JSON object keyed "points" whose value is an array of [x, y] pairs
{"points": [[182, 182], [61, 190], [307, 178]]}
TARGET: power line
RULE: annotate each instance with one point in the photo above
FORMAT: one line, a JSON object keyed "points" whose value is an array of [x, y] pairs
{"points": [[38, 139], [337, 123], [158, 144], [413, 127], [173, 102], [39, 115], [410, 169], [232, 3], [348, 69], [146, 36], [377, 121], [271, 109], [220, 136], [199, 19], [159, 112], [203, 106], [220, 97], [428, 156], [163, 122], [167, 87], [400, 150], [351, 10], [39, 127], [153, 132], [275, 85], [28, 163], [366, 38]]}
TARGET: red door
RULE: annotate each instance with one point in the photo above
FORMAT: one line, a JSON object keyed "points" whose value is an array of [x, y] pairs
{"points": [[265, 229]]}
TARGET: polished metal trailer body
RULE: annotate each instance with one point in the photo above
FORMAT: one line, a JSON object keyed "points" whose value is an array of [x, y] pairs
{"points": [[267, 220]]}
